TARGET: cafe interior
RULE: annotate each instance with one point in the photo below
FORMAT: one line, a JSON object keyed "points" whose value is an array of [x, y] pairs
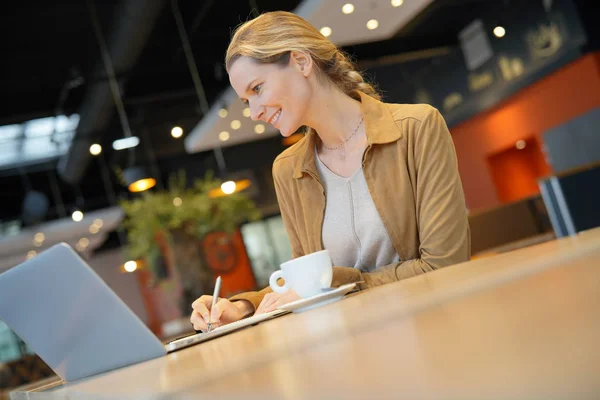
{"points": [[121, 136]]}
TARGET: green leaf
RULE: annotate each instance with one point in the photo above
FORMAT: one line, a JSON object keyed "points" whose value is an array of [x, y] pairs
{"points": [[154, 212]]}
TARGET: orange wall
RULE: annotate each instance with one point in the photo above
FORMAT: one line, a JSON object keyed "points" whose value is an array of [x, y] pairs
{"points": [[515, 172], [566, 94]]}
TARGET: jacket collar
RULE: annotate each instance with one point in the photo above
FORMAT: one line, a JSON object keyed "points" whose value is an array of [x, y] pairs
{"points": [[380, 128]]}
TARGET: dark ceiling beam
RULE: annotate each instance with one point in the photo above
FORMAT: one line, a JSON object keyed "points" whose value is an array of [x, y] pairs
{"points": [[130, 29]]}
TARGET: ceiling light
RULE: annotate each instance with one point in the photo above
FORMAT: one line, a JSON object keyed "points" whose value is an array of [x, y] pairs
{"points": [[138, 179], [348, 8], [235, 124], [31, 254], [95, 149], [77, 216], [259, 128], [176, 132], [84, 242], [520, 144], [372, 24], [246, 113], [397, 3], [177, 201], [142, 184], [126, 143], [98, 222], [38, 239], [325, 31], [224, 136], [94, 229], [222, 112], [499, 31], [228, 187], [130, 266]]}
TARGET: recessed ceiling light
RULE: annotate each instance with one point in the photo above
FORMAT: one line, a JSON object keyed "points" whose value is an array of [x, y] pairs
{"points": [[235, 124], [397, 3], [348, 8], [325, 31], [224, 136], [176, 132], [95, 149], [222, 113], [246, 113], [130, 266], [372, 24], [77, 216], [499, 31], [260, 128]]}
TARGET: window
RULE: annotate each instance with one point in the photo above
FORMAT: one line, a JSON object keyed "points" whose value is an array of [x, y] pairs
{"points": [[37, 139], [11, 346], [267, 245]]}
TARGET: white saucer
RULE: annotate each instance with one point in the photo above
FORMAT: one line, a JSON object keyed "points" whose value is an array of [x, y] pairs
{"points": [[321, 299]]}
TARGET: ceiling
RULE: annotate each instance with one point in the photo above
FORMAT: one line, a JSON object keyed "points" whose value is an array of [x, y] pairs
{"points": [[53, 65]]}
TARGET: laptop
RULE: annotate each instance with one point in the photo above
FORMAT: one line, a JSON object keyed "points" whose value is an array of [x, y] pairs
{"points": [[58, 305]]}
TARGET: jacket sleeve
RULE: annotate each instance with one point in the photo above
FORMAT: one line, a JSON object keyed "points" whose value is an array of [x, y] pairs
{"points": [[441, 210], [286, 214]]}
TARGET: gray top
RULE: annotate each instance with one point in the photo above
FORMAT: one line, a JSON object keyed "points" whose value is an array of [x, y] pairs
{"points": [[352, 228]]}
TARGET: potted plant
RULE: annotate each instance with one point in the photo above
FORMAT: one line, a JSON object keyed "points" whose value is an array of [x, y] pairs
{"points": [[167, 226]]}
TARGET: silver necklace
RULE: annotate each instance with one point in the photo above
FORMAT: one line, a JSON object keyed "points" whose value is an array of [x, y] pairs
{"points": [[348, 138]]}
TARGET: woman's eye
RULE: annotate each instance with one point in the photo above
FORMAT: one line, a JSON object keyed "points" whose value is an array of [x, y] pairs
{"points": [[257, 88]]}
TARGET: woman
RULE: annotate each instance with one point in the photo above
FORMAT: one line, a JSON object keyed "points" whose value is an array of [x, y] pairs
{"points": [[376, 184]]}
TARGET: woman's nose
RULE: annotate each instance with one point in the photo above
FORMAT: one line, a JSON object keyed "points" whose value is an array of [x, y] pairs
{"points": [[257, 112]]}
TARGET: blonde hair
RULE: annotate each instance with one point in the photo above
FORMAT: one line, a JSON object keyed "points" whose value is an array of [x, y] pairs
{"points": [[271, 37]]}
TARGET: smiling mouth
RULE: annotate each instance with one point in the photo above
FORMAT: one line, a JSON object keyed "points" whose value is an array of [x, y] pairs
{"points": [[273, 120]]}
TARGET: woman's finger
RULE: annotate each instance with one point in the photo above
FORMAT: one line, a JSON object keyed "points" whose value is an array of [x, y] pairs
{"points": [[266, 303], [220, 308], [201, 309], [261, 307], [198, 321], [206, 300]]}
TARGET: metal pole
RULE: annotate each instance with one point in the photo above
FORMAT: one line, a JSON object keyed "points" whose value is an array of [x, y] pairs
{"points": [[114, 86], [190, 58]]}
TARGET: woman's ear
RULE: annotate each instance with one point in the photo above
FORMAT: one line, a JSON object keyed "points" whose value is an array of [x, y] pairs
{"points": [[302, 62]]}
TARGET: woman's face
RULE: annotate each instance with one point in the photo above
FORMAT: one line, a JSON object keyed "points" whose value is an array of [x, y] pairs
{"points": [[276, 94]]}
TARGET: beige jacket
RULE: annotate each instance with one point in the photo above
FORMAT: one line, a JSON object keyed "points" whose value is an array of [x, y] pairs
{"points": [[411, 170]]}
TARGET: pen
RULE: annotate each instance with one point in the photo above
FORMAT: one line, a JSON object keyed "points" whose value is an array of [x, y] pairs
{"points": [[214, 301]]}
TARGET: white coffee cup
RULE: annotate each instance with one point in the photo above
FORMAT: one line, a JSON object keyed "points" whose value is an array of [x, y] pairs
{"points": [[306, 275]]}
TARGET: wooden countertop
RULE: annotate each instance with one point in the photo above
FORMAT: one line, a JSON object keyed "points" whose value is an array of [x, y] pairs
{"points": [[523, 324]]}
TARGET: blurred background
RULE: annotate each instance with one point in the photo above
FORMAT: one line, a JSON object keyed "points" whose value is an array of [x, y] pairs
{"points": [[120, 134]]}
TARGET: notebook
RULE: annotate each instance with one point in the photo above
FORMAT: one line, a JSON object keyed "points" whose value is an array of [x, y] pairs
{"points": [[222, 330]]}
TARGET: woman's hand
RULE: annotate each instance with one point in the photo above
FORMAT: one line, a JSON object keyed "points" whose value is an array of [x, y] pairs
{"points": [[223, 313], [273, 300]]}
